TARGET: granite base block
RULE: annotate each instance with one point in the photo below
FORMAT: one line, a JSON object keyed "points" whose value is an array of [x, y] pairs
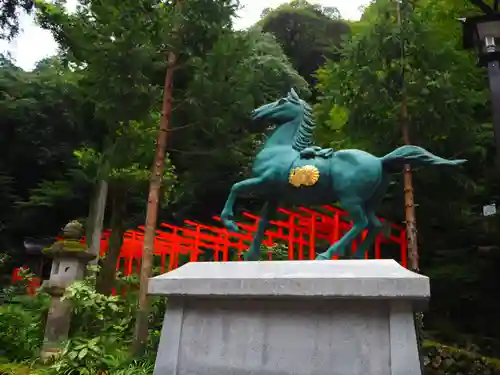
{"points": [[339, 331]]}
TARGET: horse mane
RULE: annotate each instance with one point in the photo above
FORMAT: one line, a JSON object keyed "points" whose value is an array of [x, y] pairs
{"points": [[303, 135]]}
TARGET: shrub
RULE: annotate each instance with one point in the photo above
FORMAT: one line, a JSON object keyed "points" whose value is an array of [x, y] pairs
{"points": [[102, 330], [16, 369], [99, 355], [446, 360], [89, 356], [22, 323], [103, 327], [278, 252]]}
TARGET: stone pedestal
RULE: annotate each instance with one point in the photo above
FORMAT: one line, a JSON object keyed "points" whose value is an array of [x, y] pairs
{"points": [[352, 317], [70, 258]]}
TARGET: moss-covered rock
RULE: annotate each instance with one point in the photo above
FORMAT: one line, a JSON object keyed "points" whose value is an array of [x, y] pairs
{"points": [[447, 360], [70, 243], [65, 247]]}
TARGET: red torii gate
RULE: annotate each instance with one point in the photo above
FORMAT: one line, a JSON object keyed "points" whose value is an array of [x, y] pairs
{"points": [[300, 229]]}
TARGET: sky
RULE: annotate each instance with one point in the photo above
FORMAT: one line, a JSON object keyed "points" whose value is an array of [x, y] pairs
{"points": [[34, 44]]}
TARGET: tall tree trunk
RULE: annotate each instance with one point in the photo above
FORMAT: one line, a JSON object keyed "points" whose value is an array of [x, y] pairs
{"points": [[411, 221], [107, 273], [96, 221], [141, 327], [90, 222]]}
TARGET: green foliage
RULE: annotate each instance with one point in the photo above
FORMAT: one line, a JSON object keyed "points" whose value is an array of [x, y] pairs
{"points": [[129, 159], [442, 360], [16, 369], [42, 124], [22, 321], [47, 194], [94, 109], [89, 356], [93, 310], [367, 82], [124, 57], [122, 60], [116, 53], [9, 17], [469, 311], [241, 71], [307, 32], [3, 259], [112, 315], [200, 24], [446, 98], [447, 101], [7, 198], [21, 333], [277, 251], [112, 93], [5, 273], [102, 329], [9, 291]]}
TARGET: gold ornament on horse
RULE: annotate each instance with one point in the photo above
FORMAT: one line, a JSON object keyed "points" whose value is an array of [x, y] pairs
{"points": [[307, 175]]}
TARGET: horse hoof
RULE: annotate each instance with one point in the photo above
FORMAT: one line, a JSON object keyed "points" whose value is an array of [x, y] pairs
{"points": [[322, 257], [249, 257]]}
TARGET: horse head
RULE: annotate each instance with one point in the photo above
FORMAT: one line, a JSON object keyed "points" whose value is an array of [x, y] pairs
{"points": [[280, 111], [293, 119]]}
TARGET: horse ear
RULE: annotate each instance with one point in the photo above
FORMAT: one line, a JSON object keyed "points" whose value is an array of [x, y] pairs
{"points": [[293, 94]]}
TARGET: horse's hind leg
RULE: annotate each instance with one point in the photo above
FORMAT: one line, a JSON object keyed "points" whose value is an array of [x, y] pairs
{"points": [[227, 214], [374, 225], [360, 222], [374, 228]]}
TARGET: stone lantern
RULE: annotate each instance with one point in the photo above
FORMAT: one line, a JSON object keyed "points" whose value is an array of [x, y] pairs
{"points": [[70, 258]]}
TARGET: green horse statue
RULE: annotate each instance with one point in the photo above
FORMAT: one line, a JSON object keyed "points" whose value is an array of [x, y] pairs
{"points": [[290, 170]]}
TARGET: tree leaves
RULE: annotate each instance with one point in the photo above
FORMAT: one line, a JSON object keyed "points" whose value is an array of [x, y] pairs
{"points": [[119, 55], [444, 92], [240, 72], [307, 32], [9, 16]]}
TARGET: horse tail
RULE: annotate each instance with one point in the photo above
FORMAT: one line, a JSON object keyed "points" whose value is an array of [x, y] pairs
{"points": [[415, 156]]}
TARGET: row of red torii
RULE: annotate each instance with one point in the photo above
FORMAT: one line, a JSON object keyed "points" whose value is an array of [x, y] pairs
{"points": [[301, 229]]}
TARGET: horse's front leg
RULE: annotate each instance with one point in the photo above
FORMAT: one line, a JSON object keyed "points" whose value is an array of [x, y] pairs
{"points": [[268, 210], [227, 214]]}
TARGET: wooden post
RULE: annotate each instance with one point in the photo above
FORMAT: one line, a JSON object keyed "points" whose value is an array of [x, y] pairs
{"points": [[141, 326]]}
